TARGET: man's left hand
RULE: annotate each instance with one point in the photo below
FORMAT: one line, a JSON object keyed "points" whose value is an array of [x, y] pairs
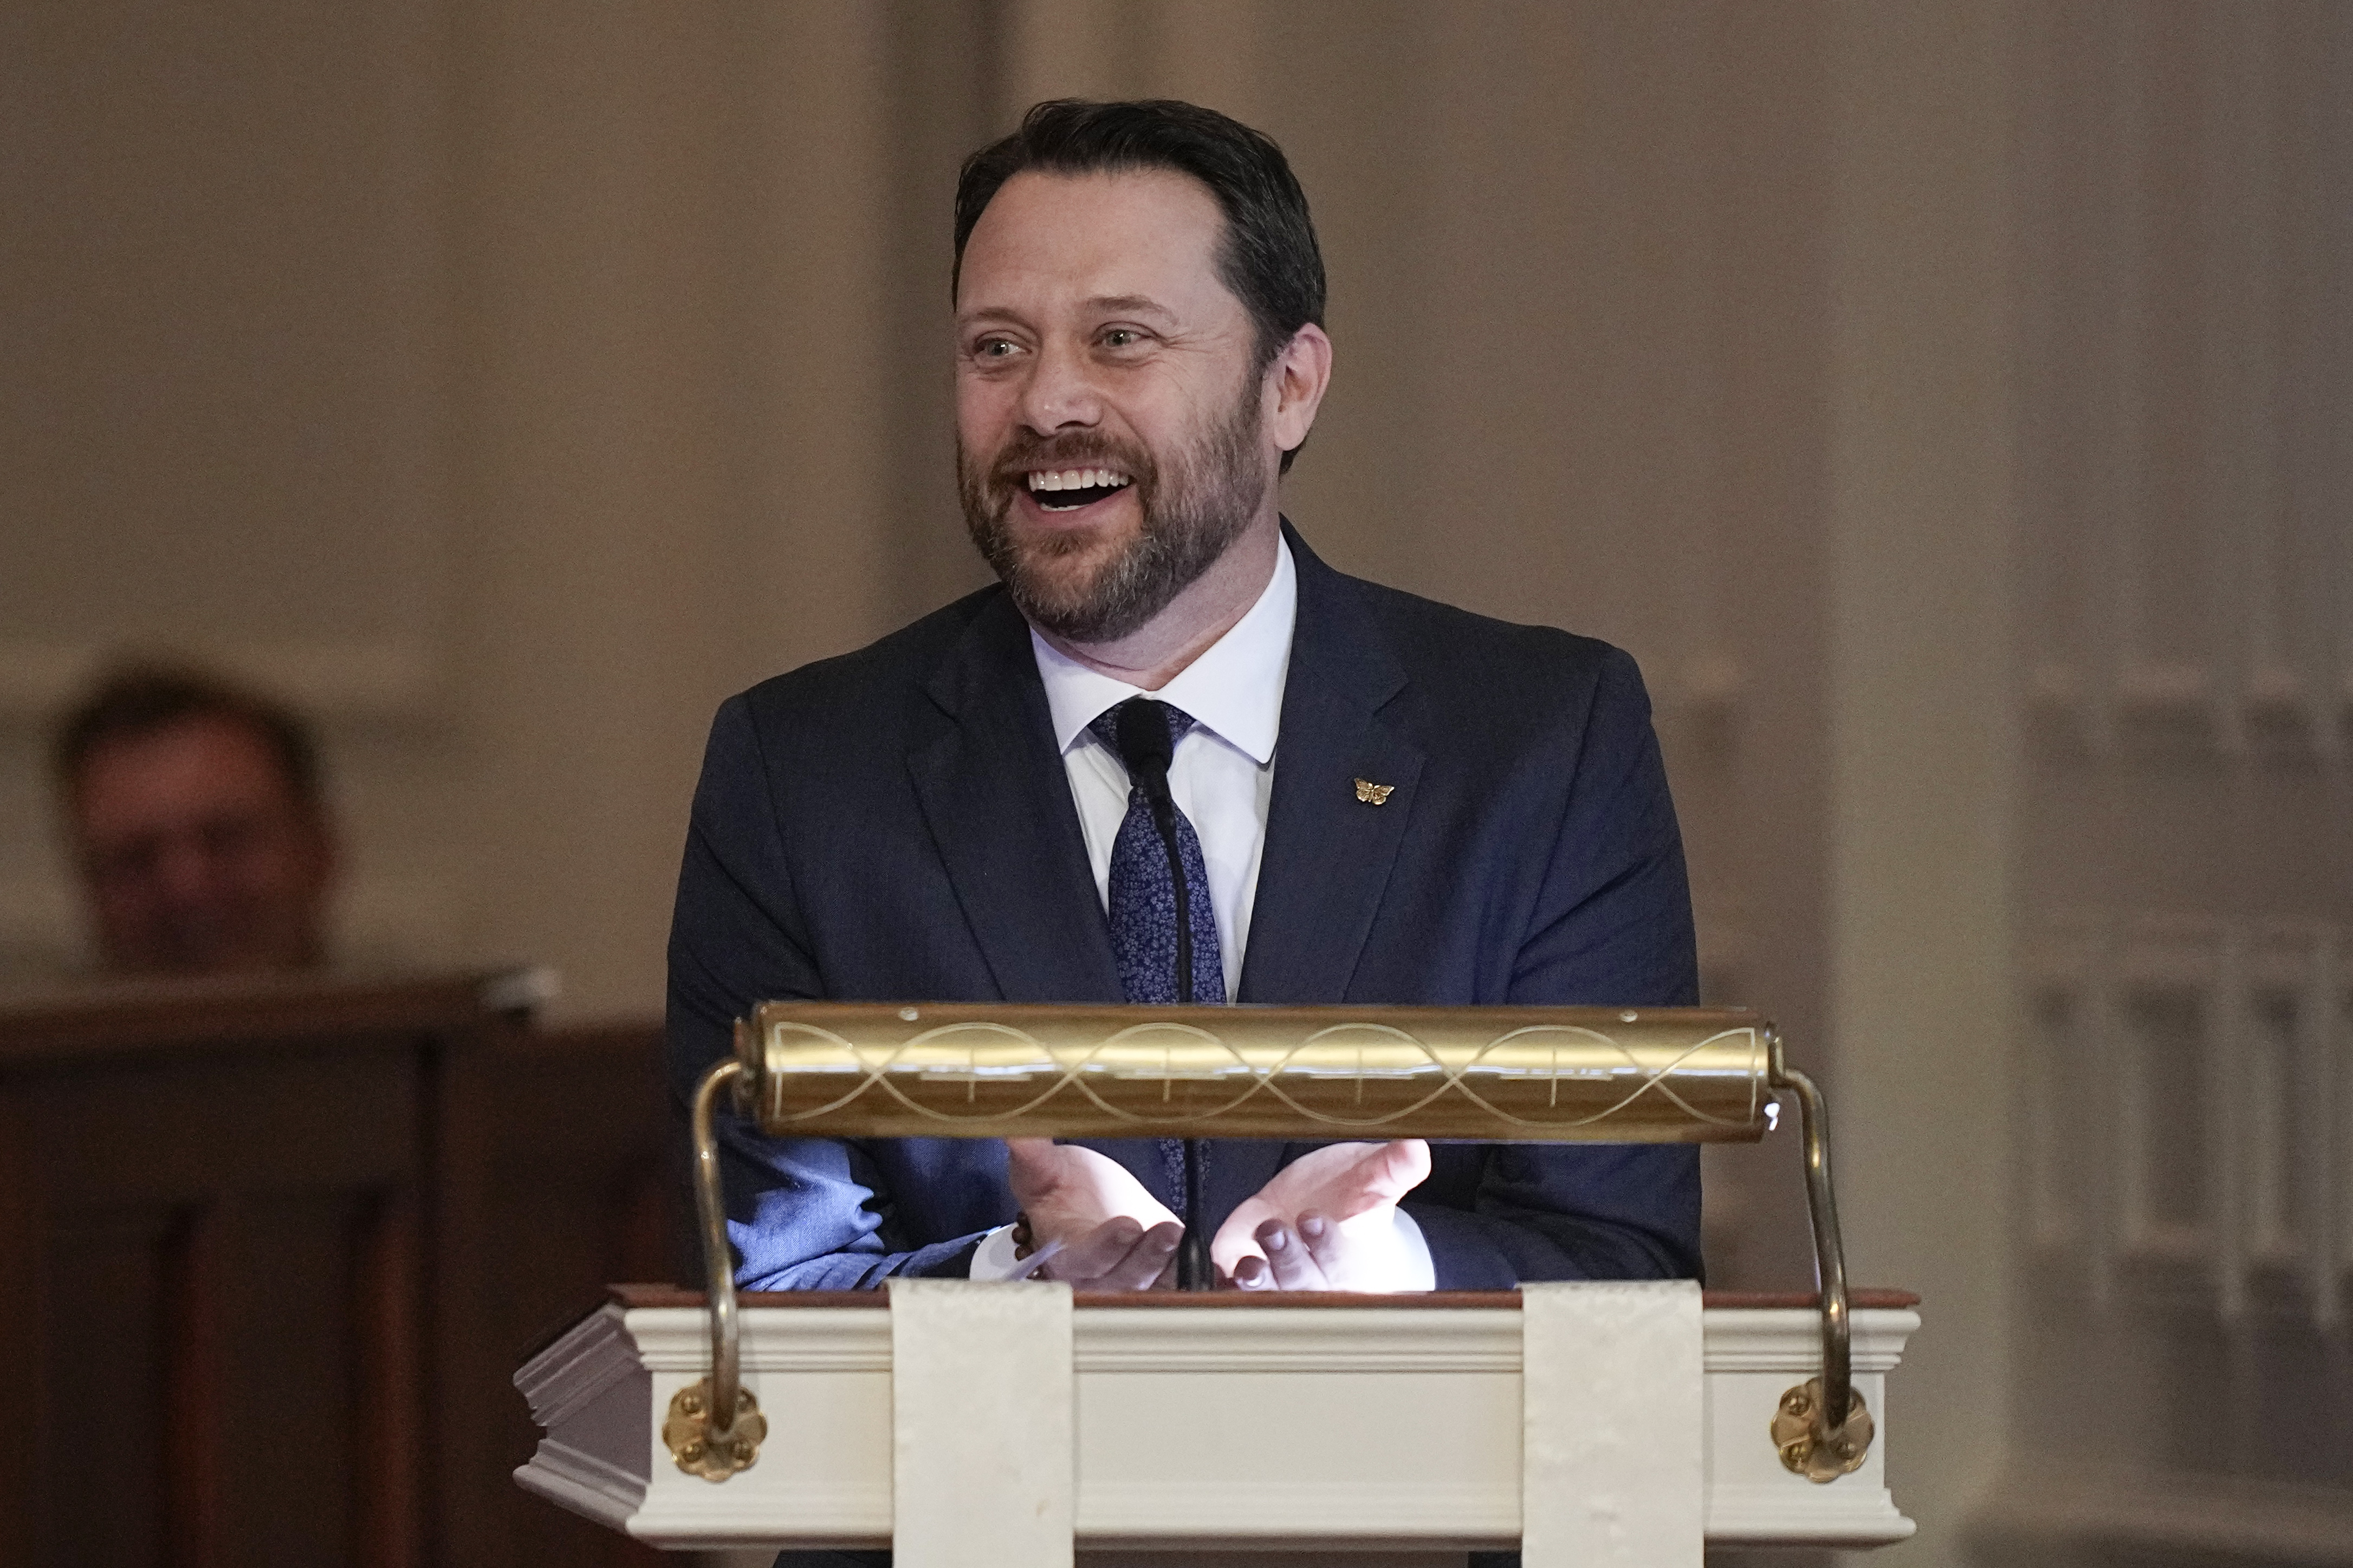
{"points": [[1326, 1222]]}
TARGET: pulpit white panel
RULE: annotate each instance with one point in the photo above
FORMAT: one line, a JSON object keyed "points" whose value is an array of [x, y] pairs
{"points": [[1612, 1409], [981, 1417]]}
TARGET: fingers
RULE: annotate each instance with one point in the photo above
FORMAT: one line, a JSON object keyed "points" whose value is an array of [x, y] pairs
{"points": [[1344, 1180], [1396, 1168], [1031, 1169], [1034, 1266], [1232, 1246], [1381, 1174], [1290, 1265], [1069, 1191], [1290, 1236], [1118, 1254], [1104, 1247], [1320, 1237], [1153, 1255]]}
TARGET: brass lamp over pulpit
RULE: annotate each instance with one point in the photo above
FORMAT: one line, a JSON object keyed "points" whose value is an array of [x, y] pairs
{"points": [[1488, 1074]]}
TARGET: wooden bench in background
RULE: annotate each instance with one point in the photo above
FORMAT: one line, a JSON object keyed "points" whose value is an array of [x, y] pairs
{"points": [[270, 1251]]}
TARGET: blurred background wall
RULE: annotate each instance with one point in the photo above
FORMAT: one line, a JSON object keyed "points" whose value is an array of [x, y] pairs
{"points": [[1951, 404]]}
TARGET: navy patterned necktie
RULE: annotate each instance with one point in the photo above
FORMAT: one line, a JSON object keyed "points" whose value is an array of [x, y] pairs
{"points": [[1144, 901]]}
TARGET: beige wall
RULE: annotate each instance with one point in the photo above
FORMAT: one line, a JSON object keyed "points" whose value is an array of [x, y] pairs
{"points": [[602, 373], [1922, 753], [510, 382], [2183, 465]]}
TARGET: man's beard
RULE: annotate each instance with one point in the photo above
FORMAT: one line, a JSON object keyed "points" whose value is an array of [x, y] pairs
{"points": [[1193, 510]]}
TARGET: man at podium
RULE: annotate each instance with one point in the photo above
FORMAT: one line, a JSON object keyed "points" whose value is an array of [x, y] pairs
{"points": [[1172, 756]]}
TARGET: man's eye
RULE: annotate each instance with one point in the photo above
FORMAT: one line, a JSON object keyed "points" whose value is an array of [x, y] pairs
{"points": [[992, 348], [1122, 337]]}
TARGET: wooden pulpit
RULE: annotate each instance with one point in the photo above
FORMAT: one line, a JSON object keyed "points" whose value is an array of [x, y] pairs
{"points": [[956, 1422]]}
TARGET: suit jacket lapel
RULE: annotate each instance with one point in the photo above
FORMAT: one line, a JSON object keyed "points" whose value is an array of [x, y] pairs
{"points": [[997, 802], [1328, 853]]}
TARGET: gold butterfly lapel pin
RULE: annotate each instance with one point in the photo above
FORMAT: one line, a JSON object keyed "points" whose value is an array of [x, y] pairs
{"points": [[1372, 794]]}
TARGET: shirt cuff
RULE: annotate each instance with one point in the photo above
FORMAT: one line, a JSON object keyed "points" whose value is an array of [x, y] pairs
{"points": [[1413, 1250], [994, 1260]]}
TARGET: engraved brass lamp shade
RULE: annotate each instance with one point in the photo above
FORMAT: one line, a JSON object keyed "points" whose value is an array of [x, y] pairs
{"points": [[1631, 1075]]}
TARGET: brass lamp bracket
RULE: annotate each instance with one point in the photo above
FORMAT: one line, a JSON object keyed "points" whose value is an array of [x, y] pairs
{"points": [[715, 1427], [1820, 1428]]}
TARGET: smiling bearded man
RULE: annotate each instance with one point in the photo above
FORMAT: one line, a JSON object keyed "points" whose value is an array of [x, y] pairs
{"points": [[1462, 812], [1192, 507]]}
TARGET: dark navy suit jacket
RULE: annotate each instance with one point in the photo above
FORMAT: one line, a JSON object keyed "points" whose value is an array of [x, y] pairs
{"points": [[896, 825]]}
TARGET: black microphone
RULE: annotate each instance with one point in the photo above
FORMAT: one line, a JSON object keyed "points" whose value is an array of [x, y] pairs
{"points": [[1145, 747]]}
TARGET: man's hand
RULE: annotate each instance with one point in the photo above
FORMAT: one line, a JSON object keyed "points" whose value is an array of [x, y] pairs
{"points": [[1107, 1232], [1326, 1222]]}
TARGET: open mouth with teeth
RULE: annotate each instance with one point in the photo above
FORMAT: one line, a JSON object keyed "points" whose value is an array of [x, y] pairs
{"points": [[1067, 490]]}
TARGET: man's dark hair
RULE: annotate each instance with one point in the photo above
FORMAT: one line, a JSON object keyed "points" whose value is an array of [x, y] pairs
{"points": [[142, 699], [1269, 257]]}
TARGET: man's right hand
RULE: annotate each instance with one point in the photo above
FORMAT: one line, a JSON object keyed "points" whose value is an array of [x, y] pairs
{"points": [[1113, 1235]]}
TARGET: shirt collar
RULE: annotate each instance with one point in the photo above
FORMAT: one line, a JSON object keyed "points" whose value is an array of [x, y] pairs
{"points": [[1234, 687]]}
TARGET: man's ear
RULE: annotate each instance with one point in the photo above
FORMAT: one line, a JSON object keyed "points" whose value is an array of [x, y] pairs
{"points": [[1295, 385]]}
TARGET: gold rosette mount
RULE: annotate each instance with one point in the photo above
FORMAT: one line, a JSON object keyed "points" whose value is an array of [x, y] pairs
{"points": [[703, 1450]]}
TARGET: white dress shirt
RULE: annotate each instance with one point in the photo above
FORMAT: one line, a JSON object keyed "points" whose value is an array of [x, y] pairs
{"points": [[1222, 773], [1222, 776]]}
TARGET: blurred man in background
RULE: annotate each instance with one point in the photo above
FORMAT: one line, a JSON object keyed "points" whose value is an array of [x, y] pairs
{"points": [[193, 813]]}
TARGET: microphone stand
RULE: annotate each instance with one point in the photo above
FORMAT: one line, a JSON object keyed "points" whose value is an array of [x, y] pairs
{"points": [[1145, 747]]}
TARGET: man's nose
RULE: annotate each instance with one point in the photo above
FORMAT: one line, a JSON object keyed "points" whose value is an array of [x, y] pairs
{"points": [[186, 869], [1061, 392]]}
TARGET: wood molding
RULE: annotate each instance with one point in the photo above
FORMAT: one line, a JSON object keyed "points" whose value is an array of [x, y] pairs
{"points": [[633, 1296], [80, 1024]]}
